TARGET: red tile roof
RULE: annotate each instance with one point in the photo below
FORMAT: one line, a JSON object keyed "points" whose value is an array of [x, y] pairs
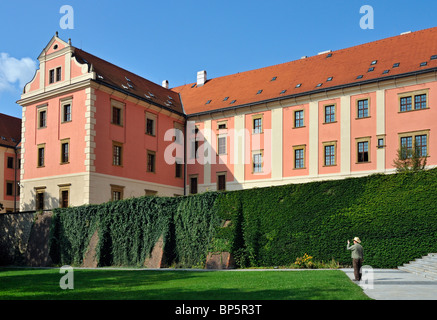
{"points": [[344, 66], [10, 131], [130, 83]]}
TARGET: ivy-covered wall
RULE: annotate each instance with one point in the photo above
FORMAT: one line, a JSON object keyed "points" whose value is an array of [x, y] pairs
{"points": [[129, 229], [394, 215]]}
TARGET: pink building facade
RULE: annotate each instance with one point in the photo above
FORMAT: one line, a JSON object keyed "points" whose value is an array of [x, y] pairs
{"points": [[93, 132], [336, 115], [10, 134], [86, 140]]}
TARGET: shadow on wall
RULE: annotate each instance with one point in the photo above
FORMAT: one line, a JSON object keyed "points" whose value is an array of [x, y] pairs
{"points": [[30, 203], [14, 236], [24, 239]]}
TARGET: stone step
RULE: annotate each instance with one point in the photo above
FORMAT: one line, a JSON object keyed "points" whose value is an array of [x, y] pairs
{"points": [[424, 262], [425, 266], [426, 274], [428, 258], [428, 264]]}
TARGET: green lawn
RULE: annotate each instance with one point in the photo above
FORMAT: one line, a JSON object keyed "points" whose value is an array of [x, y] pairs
{"points": [[107, 284]]}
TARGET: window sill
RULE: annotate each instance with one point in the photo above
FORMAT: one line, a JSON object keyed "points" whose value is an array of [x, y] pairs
{"points": [[360, 118], [407, 111], [329, 122]]}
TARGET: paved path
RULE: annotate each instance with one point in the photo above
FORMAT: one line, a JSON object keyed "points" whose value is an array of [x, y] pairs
{"points": [[393, 284]]}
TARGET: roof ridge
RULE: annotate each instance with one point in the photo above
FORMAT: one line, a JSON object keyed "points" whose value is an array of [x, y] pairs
{"points": [[317, 55], [118, 67]]}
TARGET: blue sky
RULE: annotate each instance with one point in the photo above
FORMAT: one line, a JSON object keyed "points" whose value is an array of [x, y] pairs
{"points": [[172, 40]]}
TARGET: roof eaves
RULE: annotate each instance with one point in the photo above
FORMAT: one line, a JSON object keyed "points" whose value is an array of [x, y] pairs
{"points": [[10, 146], [139, 97], [296, 95]]}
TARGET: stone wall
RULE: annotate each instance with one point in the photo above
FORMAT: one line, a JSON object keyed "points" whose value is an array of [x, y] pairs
{"points": [[24, 239]]}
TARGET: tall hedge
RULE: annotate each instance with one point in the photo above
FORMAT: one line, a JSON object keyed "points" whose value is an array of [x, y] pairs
{"points": [[394, 215]]}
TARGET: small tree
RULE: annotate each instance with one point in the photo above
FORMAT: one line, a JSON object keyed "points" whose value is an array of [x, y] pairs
{"points": [[409, 160]]}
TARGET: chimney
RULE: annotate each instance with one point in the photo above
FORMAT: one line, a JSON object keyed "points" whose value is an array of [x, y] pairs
{"points": [[165, 84], [201, 78]]}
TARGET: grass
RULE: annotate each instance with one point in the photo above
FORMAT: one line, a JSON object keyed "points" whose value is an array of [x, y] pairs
{"points": [[107, 284]]}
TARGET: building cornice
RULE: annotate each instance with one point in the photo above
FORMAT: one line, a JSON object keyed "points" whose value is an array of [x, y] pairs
{"points": [[38, 96]]}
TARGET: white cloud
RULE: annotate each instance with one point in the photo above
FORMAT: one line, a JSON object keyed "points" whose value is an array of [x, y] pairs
{"points": [[15, 72]]}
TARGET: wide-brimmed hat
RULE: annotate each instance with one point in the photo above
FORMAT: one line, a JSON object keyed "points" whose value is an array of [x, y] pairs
{"points": [[357, 239]]}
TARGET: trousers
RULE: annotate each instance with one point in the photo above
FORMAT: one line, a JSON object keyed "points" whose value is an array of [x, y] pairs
{"points": [[357, 263]]}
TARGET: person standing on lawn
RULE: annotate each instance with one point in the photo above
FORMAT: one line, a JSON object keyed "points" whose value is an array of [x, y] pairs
{"points": [[357, 257]]}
